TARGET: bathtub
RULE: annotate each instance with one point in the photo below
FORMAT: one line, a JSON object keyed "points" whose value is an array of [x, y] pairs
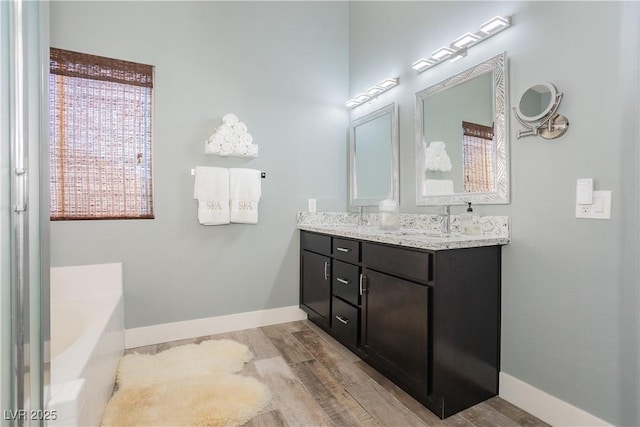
{"points": [[87, 341]]}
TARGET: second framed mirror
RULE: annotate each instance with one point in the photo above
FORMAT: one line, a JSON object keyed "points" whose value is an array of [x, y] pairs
{"points": [[461, 138], [373, 157]]}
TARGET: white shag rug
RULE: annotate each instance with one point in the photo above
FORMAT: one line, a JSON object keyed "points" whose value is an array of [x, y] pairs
{"points": [[190, 385]]}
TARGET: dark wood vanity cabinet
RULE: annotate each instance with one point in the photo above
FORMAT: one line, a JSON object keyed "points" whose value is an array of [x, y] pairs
{"points": [[428, 320], [315, 277], [395, 328]]}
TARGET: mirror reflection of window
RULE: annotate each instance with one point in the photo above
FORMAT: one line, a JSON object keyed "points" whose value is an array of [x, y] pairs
{"points": [[479, 154]]}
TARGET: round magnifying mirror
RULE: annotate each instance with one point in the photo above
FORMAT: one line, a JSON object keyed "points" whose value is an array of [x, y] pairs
{"points": [[536, 102]]}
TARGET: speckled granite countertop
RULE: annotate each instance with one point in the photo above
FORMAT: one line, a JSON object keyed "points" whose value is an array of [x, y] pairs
{"points": [[416, 230]]}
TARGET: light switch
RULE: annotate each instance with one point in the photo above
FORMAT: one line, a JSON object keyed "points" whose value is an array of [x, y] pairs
{"points": [[598, 205]]}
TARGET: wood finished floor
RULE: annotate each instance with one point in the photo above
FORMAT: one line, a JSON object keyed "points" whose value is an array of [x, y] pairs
{"points": [[315, 381]]}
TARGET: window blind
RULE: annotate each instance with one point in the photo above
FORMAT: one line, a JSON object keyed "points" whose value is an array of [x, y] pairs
{"points": [[478, 157], [100, 137]]}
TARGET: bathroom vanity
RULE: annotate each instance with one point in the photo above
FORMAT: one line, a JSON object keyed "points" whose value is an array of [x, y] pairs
{"points": [[422, 310]]}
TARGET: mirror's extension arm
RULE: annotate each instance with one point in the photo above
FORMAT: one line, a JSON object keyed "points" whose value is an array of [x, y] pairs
{"points": [[531, 130]]}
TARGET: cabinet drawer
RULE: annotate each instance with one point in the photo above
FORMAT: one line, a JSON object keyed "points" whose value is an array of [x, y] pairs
{"points": [[346, 250], [345, 322], [405, 263], [313, 242], [346, 282]]}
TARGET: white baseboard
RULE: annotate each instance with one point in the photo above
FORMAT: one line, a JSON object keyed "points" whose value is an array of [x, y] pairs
{"points": [[541, 404], [156, 334]]}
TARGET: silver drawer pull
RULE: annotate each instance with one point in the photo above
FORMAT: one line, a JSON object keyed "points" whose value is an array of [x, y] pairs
{"points": [[343, 249], [362, 277], [343, 320], [343, 281], [326, 270]]}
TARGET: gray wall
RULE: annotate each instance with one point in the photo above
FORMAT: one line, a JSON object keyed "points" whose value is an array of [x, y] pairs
{"points": [[283, 69], [570, 304]]}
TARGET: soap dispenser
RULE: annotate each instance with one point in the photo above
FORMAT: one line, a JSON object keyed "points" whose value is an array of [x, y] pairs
{"points": [[389, 216], [466, 220], [470, 223]]}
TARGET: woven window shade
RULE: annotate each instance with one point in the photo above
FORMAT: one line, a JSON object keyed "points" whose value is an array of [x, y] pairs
{"points": [[479, 158], [100, 137]]}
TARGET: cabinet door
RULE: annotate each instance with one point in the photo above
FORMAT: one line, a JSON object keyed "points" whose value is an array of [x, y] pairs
{"points": [[315, 288], [395, 327]]}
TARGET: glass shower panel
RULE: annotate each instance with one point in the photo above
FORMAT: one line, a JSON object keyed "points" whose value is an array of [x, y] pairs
{"points": [[24, 265]]}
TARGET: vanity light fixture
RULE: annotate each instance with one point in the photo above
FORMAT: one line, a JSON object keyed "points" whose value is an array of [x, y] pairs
{"points": [[375, 90], [458, 49], [466, 40], [459, 55], [442, 53], [421, 64], [372, 93], [496, 24], [388, 83], [352, 103]]}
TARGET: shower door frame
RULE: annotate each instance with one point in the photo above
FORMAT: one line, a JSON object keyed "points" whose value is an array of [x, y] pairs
{"points": [[24, 221]]}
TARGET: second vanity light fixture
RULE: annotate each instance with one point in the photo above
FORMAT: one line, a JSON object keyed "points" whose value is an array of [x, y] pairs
{"points": [[372, 93], [458, 49]]}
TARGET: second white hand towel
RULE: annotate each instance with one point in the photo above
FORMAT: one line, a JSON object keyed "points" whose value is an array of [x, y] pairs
{"points": [[245, 191], [211, 188]]}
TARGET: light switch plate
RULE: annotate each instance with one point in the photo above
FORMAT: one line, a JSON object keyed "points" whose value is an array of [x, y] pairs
{"points": [[312, 205], [599, 209]]}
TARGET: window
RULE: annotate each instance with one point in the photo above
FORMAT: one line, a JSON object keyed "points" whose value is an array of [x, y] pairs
{"points": [[100, 137], [479, 158]]}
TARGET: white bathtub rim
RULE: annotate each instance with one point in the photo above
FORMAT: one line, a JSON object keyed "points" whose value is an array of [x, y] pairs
{"points": [[86, 281], [70, 363]]}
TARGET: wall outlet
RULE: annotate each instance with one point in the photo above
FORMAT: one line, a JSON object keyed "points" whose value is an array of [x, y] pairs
{"points": [[599, 209], [311, 205]]}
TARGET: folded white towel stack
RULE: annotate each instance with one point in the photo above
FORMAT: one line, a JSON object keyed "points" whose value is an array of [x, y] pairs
{"points": [[211, 189], [230, 138], [436, 158], [245, 192]]}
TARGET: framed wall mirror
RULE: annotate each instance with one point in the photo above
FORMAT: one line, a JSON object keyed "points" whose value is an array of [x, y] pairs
{"points": [[462, 152], [373, 157]]}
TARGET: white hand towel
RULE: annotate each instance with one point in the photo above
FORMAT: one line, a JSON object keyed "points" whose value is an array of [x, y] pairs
{"points": [[245, 191], [233, 139], [240, 128], [252, 150], [246, 138], [240, 150], [211, 189], [212, 147], [225, 129], [226, 149], [230, 119]]}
